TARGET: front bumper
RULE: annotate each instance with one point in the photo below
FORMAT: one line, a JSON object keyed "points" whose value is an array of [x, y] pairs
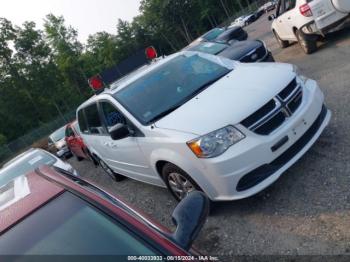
{"points": [[253, 161]]}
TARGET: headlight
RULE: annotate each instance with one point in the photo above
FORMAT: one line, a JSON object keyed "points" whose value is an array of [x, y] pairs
{"points": [[300, 76], [215, 143]]}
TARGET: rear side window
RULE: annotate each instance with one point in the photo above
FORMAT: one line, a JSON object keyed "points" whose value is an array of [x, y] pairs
{"points": [[82, 122], [93, 120]]}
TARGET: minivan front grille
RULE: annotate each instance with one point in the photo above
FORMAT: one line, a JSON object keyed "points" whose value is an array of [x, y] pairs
{"points": [[273, 114]]}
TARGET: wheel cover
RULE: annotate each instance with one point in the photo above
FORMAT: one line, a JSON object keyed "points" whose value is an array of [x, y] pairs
{"points": [[180, 185], [301, 41]]}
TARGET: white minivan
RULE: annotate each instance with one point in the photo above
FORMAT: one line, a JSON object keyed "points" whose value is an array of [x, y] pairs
{"points": [[194, 121]]}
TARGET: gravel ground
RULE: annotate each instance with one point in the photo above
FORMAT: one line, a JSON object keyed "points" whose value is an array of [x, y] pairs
{"points": [[307, 211]]}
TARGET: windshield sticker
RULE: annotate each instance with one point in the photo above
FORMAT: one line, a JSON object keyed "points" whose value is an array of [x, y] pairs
{"points": [[35, 160]]}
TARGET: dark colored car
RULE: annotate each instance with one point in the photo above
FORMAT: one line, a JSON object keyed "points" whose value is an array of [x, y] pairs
{"points": [[259, 13], [75, 142], [224, 34], [57, 213], [243, 51], [251, 18]]}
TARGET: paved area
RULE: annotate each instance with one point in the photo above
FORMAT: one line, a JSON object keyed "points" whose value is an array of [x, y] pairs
{"points": [[307, 211]]}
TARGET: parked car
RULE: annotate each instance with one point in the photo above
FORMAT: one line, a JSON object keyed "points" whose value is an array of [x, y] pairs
{"points": [[75, 142], [223, 34], [28, 162], [259, 13], [238, 22], [269, 6], [304, 22], [52, 212], [57, 143], [250, 19], [243, 51], [198, 121]]}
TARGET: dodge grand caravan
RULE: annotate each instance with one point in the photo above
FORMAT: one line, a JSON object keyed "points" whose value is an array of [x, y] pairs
{"points": [[194, 121]]}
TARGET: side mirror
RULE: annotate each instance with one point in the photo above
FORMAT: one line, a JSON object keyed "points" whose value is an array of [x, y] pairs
{"points": [[271, 17], [119, 131], [189, 217]]}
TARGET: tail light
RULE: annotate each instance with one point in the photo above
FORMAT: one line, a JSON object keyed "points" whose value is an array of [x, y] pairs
{"points": [[305, 10]]}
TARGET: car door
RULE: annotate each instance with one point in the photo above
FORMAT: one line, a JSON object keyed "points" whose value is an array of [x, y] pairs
{"points": [[78, 142], [280, 23], [70, 139], [289, 18], [124, 156]]}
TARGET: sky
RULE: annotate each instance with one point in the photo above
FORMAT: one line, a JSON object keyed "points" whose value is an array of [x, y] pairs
{"points": [[87, 16]]}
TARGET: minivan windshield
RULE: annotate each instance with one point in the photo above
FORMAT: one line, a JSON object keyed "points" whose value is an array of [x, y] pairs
{"points": [[169, 86]]}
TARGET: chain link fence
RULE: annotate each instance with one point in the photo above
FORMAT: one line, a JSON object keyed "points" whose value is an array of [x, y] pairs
{"points": [[14, 147]]}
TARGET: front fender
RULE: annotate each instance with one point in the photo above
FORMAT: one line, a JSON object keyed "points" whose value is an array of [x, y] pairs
{"points": [[190, 164]]}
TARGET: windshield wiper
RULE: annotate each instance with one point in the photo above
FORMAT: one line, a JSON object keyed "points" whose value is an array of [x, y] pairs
{"points": [[164, 113]]}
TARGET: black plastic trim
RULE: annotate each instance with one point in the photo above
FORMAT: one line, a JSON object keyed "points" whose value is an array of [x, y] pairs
{"points": [[261, 173]]}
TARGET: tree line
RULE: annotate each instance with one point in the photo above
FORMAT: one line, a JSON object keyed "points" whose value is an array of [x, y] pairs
{"points": [[43, 73]]}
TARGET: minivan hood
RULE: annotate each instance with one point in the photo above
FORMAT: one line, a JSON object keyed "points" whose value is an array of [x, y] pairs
{"points": [[231, 99]]}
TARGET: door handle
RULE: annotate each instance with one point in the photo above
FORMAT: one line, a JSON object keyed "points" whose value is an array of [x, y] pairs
{"points": [[110, 144]]}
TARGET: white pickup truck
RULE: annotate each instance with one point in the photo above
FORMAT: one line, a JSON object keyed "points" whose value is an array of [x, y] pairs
{"points": [[305, 20]]}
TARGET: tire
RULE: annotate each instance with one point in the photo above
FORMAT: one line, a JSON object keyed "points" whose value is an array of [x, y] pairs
{"points": [[178, 182], [116, 177], [282, 43], [308, 45]]}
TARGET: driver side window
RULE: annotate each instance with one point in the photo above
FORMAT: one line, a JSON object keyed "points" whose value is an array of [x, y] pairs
{"points": [[111, 115]]}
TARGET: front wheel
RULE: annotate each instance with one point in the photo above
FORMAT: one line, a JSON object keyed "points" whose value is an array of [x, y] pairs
{"points": [[178, 181], [307, 44], [110, 172]]}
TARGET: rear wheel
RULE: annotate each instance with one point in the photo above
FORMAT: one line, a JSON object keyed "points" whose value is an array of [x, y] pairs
{"points": [[307, 44], [178, 181], [116, 177], [282, 43]]}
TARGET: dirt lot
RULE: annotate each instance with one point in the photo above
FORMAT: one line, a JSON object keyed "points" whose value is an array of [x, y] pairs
{"points": [[307, 211]]}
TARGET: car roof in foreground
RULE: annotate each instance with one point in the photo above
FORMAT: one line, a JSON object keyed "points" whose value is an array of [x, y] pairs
{"points": [[21, 196], [28, 193]]}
